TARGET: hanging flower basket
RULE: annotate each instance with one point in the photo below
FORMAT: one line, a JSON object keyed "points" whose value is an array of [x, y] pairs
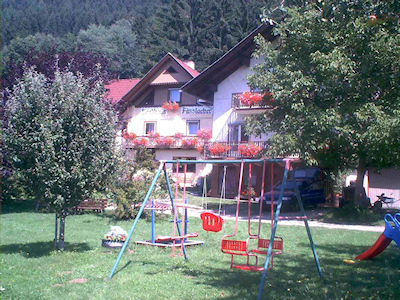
{"points": [[217, 149], [249, 150], [170, 106]]}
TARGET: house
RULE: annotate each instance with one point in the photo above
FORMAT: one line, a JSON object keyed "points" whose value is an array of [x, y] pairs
{"points": [[156, 114], [224, 83]]}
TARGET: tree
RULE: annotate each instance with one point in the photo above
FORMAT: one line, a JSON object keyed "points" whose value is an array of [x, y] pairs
{"points": [[117, 43], [335, 80], [61, 139]]}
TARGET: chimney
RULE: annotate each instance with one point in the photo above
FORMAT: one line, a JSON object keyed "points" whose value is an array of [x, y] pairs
{"points": [[190, 63]]}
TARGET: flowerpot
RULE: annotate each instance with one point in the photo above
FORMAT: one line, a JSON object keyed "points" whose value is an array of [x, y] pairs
{"points": [[112, 244]]}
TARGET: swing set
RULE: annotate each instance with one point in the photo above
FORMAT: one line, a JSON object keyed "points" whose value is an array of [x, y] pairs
{"points": [[213, 222]]}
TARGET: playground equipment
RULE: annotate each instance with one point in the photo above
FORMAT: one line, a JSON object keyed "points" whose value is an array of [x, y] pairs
{"points": [[272, 243], [174, 240], [391, 232]]}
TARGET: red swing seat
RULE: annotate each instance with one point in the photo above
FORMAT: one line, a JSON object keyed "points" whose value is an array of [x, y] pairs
{"points": [[211, 222]]}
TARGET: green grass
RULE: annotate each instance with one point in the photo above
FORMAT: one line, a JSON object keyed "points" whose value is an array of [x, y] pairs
{"points": [[31, 269]]}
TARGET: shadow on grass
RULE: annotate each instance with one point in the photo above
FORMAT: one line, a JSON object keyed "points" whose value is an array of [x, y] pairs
{"points": [[19, 206], [296, 276], [40, 249]]}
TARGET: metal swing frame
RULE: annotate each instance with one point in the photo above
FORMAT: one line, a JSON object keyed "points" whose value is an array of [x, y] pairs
{"points": [[287, 162]]}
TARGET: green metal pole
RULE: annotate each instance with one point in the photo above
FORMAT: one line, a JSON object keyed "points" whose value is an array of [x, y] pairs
{"points": [[273, 233], [173, 207], [153, 184], [296, 189]]}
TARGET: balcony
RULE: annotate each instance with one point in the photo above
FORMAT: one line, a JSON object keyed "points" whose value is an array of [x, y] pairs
{"points": [[162, 142], [235, 150], [255, 103]]}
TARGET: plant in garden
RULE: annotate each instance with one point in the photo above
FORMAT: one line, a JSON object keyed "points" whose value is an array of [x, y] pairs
{"points": [[249, 150], [116, 234], [217, 149], [61, 139], [335, 79], [170, 106], [204, 134]]}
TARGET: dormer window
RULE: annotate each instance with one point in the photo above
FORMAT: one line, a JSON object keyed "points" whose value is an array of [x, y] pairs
{"points": [[174, 95]]}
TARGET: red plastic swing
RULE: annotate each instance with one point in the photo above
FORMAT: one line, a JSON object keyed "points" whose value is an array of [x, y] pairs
{"points": [[211, 222]]}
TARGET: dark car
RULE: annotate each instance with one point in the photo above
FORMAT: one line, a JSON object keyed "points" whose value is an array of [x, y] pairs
{"points": [[310, 184]]}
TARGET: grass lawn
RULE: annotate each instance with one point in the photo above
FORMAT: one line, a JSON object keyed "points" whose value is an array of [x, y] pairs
{"points": [[31, 269]]}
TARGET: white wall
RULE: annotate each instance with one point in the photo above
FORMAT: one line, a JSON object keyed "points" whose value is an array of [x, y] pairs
{"points": [[235, 83]]}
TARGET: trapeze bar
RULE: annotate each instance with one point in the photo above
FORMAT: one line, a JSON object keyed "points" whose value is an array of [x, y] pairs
{"points": [[227, 161]]}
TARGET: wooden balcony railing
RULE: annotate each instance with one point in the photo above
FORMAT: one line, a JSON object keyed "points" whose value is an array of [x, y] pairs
{"points": [[233, 151]]}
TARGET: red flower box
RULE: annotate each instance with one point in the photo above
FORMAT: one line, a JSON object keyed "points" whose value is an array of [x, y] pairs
{"points": [[178, 135], [218, 149], [190, 143], [128, 136], [170, 106], [204, 134], [154, 135], [141, 142], [249, 150], [165, 141], [253, 99]]}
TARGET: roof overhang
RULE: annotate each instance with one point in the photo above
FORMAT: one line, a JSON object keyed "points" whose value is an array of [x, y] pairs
{"points": [[205, 84]]}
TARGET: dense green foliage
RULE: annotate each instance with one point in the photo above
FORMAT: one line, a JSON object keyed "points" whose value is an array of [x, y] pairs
{"points": [[335, 78], [60, 138], [132, 35]]}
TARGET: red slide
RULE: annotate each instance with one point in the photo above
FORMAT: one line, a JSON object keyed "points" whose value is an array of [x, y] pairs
{"points": [[376, 248]]}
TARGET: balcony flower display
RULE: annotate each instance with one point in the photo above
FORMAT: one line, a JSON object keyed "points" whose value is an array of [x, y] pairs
{"points": [[253, 99], [200, 149], [190, 142], [128, 136], [204, 134], [166, 141], [170, 106], [178, 135], [154, 135], [217, 149], [141, 142], [249, 150]]}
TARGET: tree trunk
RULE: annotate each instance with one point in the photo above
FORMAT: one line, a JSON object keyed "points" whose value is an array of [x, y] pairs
{"points": [[62, 229], [360, 197], [56, 232]]}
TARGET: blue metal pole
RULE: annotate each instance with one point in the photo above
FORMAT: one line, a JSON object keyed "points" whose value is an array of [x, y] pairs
{"points": [[186, 218], [153, 223], [153, 184], [173, 206], [308, 230], [273, 233]]}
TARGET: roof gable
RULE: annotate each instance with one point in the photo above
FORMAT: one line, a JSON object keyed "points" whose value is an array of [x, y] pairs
{"points": [[158, 76], [204, 85]]}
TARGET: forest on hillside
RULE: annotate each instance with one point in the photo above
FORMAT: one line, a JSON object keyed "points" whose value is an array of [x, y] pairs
{"points": [[127, 36]]}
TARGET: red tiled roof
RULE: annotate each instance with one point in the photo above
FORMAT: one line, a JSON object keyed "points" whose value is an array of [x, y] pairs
{"points": [[116, 89], [192, 71]]}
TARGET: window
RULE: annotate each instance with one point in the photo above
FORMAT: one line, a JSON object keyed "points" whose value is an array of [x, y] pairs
{"points": [[149, 127], [174, 95], [193, 127], [237, 133], [191, 168]]}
